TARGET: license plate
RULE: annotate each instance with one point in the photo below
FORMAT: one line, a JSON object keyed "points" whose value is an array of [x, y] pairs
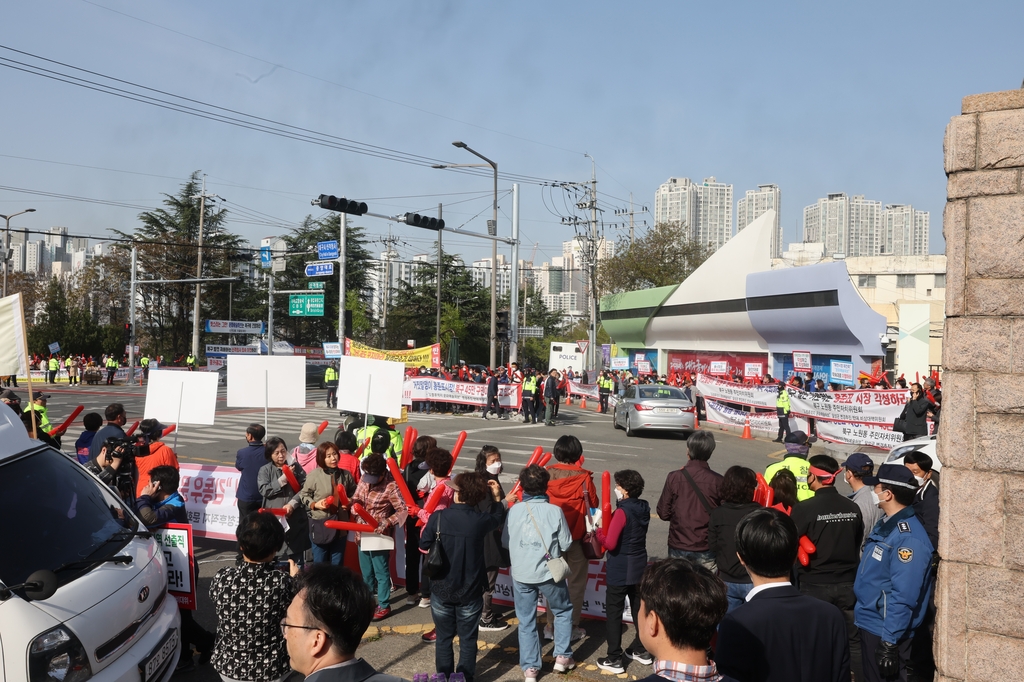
{"points": [[154, 663], [665, 410]]}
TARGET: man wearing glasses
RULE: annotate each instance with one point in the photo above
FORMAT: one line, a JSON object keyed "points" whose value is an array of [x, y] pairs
{"points": [[325, 623]]}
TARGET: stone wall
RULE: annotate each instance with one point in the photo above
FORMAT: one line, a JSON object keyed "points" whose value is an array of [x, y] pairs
{"points": [[979, 632]]}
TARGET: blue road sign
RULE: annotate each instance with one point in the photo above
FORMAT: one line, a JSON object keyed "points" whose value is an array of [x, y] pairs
{"points": [[265, 256], [327, 250], [315, 269]]}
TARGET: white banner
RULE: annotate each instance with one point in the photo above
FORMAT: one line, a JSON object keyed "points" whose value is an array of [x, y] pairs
{"points": [[461, 392], [212, 349], [235, 327], [717, 413], [209, 494], [583, 390], [861, 407], [858, 434]]}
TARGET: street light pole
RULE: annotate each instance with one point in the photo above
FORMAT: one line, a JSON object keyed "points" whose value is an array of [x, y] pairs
{"points": [[7, 242], [199, 271], [494, 254]]}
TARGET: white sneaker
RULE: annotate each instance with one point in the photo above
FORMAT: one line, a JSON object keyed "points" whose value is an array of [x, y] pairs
{"points": [[530, 675], [564, 664], [425, 603], [412, 599]]}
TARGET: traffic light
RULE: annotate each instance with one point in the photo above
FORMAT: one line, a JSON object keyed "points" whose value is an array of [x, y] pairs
{"points": [[341, 204], [127, 333], [501, 324], [424, 221]]}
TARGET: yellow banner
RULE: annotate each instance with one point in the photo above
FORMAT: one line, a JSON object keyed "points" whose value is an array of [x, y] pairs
{"points": [[427, 356]]}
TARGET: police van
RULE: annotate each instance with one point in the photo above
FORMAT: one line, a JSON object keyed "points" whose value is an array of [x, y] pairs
{"points": [[565, 354], [83, 586]]}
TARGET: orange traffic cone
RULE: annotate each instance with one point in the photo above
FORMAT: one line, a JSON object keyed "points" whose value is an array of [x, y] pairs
{"points": [[746, 429], [583, 403], [696, 418]]}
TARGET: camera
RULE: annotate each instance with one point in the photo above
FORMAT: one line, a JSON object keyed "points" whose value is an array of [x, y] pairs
{"points": [[123, 478]]}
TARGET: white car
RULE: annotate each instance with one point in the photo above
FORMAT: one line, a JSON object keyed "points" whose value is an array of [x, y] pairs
{"points": [[925, 444], [83, 586]]}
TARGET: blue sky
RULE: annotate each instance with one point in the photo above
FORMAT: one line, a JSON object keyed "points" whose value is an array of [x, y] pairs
{"points": [[814, 97]]}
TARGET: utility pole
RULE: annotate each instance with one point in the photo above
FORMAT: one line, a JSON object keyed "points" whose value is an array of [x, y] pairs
{"points": [[199, 269], [440, 261], [388, 242], [270, 310], [592, 265], [513, 314], [131, 317], [342, 263]]}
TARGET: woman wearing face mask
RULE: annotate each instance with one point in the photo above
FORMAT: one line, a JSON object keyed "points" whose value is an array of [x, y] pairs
{"points": [[915, 413], [277, 494], [625, 539], [488, 465], [414, 473], [328, 543]]}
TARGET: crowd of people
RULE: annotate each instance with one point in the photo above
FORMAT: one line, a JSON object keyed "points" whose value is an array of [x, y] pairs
{"points": [[773, 577]]}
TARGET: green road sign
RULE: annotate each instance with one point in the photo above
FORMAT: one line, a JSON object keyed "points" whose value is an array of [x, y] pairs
{"points": [[306, 305], [316, 285]]}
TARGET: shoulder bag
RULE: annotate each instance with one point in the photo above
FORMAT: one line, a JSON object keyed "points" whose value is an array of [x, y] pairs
{"points": [[436, 563], [700, 495], [900, 424], [557, 566], [592, 547]]}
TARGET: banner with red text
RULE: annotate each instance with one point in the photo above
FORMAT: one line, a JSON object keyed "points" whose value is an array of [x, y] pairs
{"points": [[583, 390], [427, 356], [440, 390], [858, 434], [768, 422], [209, 494]]}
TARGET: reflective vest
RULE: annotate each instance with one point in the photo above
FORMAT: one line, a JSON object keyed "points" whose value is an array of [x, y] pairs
{"points": [[331, 375], [530, 385], [782, 402], [190, 360], [54, 364], [800, 467], [605, 384], [111, 363], [67, 363], [363, 434], [396, 444], [144, 361], [42, 421]]}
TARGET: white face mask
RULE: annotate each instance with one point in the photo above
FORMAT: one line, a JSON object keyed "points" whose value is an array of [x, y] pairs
{"points": [[920, 481], [618, 494], [874, 498], [494, 469]]}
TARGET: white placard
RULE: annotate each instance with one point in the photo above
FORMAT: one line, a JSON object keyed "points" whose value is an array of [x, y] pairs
{"points": [[175, 397], [266, 381], [381, 379], [620, 363]]}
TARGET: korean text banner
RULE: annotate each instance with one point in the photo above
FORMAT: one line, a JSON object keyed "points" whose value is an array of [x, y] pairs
{"points": [[209, 494], [175, 540], [717, 413], [461, 392], [426, 356], [584, 390], [858, 434]]}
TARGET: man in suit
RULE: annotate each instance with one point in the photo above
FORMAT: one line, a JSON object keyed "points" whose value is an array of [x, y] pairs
{"points": [[779, 635], [325, 623]]}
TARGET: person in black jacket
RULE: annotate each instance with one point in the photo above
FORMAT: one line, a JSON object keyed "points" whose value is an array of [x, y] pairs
{"points": [[551, 397], [836, 527], [496, 557], [779, 635], [456, 593], [926, 508], [915, 412], [414, 472], [626, 543], [737, 501]]}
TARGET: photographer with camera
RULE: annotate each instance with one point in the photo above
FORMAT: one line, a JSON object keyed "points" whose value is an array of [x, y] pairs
{"points": [[114, 428], [115, 466], [153, 453]]}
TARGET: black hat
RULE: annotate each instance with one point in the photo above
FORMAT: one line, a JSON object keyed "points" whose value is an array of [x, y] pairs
{"points": [[152, 429], [10, 395], [893, 474]]}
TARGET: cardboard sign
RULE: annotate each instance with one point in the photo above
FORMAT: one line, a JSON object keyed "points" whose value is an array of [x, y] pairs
{"points": [[209, 494], [266, 381], [175, 540], [371, 386], [644, 367], [752, 369], [841, 373], [620, 363], [181, 397], [718, 367], [802, 361]]}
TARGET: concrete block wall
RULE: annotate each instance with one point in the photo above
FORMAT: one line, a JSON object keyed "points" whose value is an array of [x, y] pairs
{"points": [[979, 632]]}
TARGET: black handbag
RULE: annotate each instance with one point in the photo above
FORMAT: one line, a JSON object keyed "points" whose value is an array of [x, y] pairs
{"points": [[436, 563], [899, 424]]}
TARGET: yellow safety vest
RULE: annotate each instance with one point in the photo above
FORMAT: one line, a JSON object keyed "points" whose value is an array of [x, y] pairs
{"points": [[363, 434], [54, 365], [144, 361], [330, 375], [111, 363], [42, 420], [800, 468]]}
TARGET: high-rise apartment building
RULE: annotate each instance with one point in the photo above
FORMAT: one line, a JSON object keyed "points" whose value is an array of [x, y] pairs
{"points": [[704, 210], [855, 226], [754, 204], [676, 202], [904, 231], [35, 252], [865, 226]]}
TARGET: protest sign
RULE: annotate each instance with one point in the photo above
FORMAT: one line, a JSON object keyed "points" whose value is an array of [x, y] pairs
{"points": [[584, 390], [440, 390], [175, 540], [768, 422], [209, 494], [858, 434]]}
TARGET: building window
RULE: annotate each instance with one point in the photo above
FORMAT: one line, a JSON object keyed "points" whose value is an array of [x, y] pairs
{"points": [[866, 281], [906, 281], [940, 281]]}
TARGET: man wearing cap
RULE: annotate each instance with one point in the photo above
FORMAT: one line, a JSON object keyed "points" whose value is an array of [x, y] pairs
{"points": [[155, 455], [38, 404], [331, 382], [11, 399], [835, 526], [895, 578], [856, 467], [797, 448]]}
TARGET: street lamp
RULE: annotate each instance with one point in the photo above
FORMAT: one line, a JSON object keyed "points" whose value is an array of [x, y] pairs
{"points": [[7, 242], [494, 245]]}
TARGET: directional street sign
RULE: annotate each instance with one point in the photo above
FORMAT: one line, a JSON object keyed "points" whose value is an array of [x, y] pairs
{"points": [[316, 285], [319, 269], [265, 256], [306, 305], [327, 250]]}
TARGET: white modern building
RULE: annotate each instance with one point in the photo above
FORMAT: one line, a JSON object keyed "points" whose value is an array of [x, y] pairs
{"points": [[676, 202], [855, 226], [481, 272], [754, 204], [703, 210]]}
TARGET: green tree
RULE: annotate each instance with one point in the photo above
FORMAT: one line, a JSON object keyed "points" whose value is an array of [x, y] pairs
{"points": [[66, 319], [665, 255]]}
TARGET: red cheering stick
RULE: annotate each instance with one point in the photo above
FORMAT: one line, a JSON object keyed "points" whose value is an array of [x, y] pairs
{"points": [[407, 443], [433, 500], [403, 487], [606, 499], [320, 429], [459, 442], [537, 452], [67, 422], [806, 549], [359, 451], [763, 493], [171, 429], [131, 429], [350, 526], [365, 515], [339, 490], [543, 461], [276, 512], [289, 476]]}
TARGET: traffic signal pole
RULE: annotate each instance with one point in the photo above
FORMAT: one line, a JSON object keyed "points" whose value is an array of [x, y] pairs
{"points": [[513, 317], [342, 262]]}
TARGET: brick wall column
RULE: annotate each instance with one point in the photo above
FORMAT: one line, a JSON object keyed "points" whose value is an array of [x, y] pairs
{"points": [[979, 632]]}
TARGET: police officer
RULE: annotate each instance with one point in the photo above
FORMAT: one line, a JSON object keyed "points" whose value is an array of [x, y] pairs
{"points": [[835, 525], [38, 405], [604, 389], [144, 362], [797, 449], [190, 362], [372, 426], [112, 365], [895, 578], [782, 410], [54, 367], [529, 391], [331, 381]]}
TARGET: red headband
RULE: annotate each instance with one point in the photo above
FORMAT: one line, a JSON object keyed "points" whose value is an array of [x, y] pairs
{"points": [[823, 475]]}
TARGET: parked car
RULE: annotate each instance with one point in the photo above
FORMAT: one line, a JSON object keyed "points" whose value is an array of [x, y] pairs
{"points": [[925, 444], [653, 407], [83, 585]]}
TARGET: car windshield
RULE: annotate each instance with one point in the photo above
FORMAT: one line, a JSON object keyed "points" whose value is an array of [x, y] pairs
{"points": [[54, 513], [668, 392]]}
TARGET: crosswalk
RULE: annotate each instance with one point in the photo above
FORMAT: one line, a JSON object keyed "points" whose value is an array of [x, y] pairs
{"points": [[231, 426]]}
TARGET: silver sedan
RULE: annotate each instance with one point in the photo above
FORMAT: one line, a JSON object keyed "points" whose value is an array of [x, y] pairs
{"points": [[653, 407]]}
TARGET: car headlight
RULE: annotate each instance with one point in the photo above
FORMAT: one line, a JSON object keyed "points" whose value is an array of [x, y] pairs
{"points": [[58, 656], [901, 452]]}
